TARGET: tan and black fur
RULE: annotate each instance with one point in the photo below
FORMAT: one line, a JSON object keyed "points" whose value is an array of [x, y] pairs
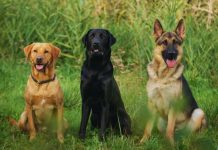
{"points": [[169, 94], [43, 93]]}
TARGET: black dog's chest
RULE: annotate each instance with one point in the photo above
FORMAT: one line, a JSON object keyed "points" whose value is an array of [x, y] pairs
{"points": [[93, 87]]}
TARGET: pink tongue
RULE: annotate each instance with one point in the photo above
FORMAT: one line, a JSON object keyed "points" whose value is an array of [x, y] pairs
{"points": [[39, 67], [171, 63]]}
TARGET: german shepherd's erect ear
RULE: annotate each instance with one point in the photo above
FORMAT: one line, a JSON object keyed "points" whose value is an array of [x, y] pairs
{"points": [[180, 29], [158, 29]]}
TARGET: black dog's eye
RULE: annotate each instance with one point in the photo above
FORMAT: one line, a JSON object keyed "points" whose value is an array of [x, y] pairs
{"points": [[165, 42], [92, 35], [101, 35], [46, 51], [35, 51]]}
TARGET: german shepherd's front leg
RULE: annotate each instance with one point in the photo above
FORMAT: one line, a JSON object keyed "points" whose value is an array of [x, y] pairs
{"points": [[60, 122], [149, 125], [171, 126], [147, 131]]}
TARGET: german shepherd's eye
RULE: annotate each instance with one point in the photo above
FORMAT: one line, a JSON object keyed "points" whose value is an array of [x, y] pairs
{"points": [[165, 42], [175, 41], [46, 51], [35, 51]]}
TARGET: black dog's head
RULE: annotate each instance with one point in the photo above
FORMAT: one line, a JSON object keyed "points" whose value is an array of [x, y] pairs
{"points": [[168, 44], [98, 43]]}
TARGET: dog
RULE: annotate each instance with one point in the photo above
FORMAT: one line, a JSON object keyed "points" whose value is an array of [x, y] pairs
{"points": [[99, 90], [43, 93], [169, 94]]}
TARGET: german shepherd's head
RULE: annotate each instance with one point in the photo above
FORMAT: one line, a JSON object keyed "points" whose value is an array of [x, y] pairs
{"points": [[169, 44]]}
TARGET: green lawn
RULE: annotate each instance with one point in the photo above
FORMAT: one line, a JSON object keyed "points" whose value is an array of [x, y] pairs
{"points": [[132, 83], [64, 22]]}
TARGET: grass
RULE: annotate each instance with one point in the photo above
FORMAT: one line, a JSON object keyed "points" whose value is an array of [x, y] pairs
{"points": [[132, 85], [65, 22]]}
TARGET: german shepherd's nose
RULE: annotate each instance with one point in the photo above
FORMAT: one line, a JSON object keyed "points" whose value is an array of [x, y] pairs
{"points": [[171, 55]]}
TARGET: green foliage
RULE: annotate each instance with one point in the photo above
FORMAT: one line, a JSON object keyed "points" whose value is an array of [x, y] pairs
{"points": [[64, 22]]}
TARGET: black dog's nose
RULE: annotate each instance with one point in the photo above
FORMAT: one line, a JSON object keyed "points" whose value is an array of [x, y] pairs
{"points": [[39, 60], [95, 45]]}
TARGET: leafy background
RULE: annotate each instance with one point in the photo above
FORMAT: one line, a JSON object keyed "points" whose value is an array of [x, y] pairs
{"points": [[64, 22]]}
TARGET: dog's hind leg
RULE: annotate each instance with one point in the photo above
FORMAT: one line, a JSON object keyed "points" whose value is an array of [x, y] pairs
{"points": [[197, 120], [22, 123], [124, 122]]}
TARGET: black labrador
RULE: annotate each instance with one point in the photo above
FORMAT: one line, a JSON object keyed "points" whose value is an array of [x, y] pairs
{"points": [[99, 90]]}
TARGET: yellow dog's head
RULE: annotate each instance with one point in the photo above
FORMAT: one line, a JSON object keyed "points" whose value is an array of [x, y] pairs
{"points": [[42, 55]]}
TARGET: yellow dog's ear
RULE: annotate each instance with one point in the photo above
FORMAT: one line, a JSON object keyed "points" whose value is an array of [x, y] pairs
{"points": [[27, 50], [55, 51]]}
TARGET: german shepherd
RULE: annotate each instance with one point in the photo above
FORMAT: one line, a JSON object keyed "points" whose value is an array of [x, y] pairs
{"points": [[169, 94]]}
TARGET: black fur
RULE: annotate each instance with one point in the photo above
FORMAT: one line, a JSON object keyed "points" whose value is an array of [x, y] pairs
{"points": [[100, 93], [191, 103]]}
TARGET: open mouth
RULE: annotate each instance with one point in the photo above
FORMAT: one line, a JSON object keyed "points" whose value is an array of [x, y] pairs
{"points": [[97, 51], [171, 63], [39, 67], [170, 59]]}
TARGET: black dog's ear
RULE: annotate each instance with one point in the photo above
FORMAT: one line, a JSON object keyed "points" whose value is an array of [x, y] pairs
{"points": [[85, 38], [112, 39]]}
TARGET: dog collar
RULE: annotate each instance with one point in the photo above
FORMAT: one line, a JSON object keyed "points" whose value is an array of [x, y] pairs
{"points": [[43, 81]]}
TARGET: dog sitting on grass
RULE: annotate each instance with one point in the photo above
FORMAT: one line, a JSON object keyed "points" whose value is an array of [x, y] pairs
{"points": [[43, 94], [99, 90], [169, 94]]}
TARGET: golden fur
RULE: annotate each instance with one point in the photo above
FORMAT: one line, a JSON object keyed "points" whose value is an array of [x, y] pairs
{"points": [[44, 102]]}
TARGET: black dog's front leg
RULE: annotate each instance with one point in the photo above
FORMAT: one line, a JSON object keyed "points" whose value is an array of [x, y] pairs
{"points": [[84, 120], [104, 121]]}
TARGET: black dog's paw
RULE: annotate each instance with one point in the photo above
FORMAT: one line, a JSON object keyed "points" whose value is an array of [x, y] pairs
{"points": [[126, 131], [102, 137], [82, 136]]}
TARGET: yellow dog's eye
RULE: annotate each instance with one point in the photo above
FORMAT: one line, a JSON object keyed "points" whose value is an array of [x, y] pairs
{"points": [[46, 51], [35, 51]]}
